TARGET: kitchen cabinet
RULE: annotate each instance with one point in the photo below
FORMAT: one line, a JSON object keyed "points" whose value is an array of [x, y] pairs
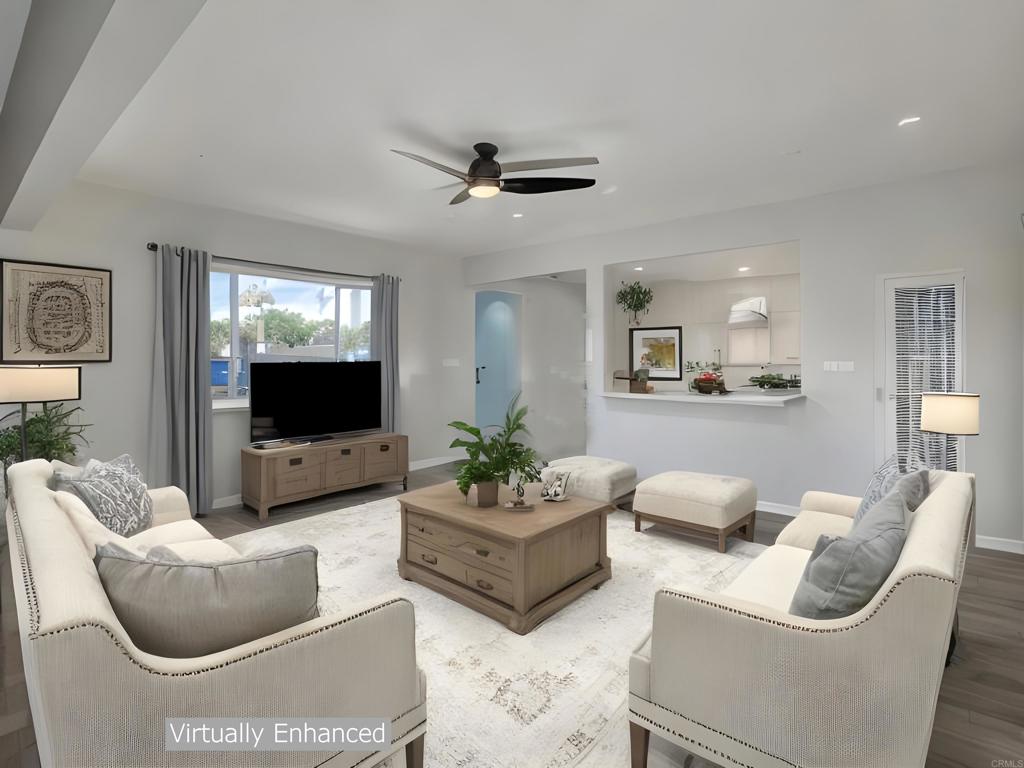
{"points": [[785, 338]]}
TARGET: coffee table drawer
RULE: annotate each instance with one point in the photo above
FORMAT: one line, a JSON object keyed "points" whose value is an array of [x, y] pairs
{"points": [[485, 552], [487, 583], [436, 561]]}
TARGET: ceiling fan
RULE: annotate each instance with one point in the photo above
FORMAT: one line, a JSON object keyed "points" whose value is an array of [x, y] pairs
{"points": [[484, 179]]}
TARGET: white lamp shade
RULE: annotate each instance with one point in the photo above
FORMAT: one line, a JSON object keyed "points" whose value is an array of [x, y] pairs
{"points": [[950, 413], [40, 384]]}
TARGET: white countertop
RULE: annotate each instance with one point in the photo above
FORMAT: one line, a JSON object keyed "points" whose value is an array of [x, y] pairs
{"points": [[733, 398]]}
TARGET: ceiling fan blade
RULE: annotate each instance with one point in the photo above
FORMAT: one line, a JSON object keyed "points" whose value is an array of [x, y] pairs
{"points": [[462, 197], [432, 164], [541, 184], [453, 185], [557, 162]]}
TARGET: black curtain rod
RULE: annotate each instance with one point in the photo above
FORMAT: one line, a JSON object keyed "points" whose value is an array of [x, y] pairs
{"points": [[154, 247]]}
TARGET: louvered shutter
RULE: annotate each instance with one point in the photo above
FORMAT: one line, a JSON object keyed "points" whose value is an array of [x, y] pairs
{"points": [[926, 361]]}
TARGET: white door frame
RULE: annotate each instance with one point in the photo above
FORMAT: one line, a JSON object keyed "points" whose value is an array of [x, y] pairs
{"points": [[885, 340]]}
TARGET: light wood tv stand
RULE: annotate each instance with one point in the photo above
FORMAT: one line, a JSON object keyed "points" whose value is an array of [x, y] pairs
{"points": [[275, 476]]}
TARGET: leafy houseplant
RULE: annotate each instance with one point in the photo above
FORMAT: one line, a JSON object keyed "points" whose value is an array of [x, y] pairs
{"points": [[635, 299], [50, 433], [495, 457]]}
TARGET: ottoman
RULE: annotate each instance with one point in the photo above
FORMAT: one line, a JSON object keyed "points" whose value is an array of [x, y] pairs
{"points": [[714, 504], [595, 478]]}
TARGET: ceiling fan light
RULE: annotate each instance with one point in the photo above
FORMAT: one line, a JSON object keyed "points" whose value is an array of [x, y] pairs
{"points": [[484, 188]]}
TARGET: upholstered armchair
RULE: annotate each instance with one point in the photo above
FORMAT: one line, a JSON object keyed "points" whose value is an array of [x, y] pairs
{"points": [[733, 677]]}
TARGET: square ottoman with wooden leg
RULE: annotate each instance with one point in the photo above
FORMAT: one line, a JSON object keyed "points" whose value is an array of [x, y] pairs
{"points": [[718, 505]]}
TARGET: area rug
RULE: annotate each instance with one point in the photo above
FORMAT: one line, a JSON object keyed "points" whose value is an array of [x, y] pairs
{"points": [[555, 698]]}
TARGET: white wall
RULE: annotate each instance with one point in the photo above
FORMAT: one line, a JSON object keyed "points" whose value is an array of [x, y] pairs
{"points": [[968, 220], [553, 373], [99, 226], [701, 307]]}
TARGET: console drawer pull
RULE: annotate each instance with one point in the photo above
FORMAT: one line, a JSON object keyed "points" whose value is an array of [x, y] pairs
{"points": [[384, 448], [346, 451], [429, 559], [484, 584], [295, 462], [483, 552]]}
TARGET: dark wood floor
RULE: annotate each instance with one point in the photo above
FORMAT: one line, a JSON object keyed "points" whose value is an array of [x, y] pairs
{"points": [[980, 716]]}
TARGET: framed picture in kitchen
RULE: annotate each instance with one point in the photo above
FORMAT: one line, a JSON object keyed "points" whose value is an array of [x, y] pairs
{"points": [[659, 350]]}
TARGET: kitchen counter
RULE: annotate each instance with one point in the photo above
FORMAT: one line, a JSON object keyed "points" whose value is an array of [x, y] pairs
{"points": [[733, 398]]}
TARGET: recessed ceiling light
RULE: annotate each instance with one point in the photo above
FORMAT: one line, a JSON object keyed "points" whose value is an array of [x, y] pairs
{"points": [[908, 121], [517, 215], [638, 269], [743, 269]]}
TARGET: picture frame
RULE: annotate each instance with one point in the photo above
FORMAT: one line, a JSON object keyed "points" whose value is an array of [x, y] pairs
{"points": [[55, 313], [659, 350]]}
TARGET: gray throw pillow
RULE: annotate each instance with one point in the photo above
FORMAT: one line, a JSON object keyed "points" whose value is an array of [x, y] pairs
{"points": [[178, 608], [844, 573], [883, 480], [114, 492]]}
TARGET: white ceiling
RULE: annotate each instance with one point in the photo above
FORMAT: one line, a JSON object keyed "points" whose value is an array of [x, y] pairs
{"points": [[289, 109], [759, 260]]}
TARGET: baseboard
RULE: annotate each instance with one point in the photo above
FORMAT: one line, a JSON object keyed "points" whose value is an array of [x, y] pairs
{"points": [[227, 501], [434, 462], [1002, 545], [785, 510]]}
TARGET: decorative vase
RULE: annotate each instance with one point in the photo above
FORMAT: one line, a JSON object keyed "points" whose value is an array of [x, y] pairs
{"points": [[487, 494]]}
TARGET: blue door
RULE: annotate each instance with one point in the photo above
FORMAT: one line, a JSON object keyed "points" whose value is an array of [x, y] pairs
{"points": [[498, 354]]}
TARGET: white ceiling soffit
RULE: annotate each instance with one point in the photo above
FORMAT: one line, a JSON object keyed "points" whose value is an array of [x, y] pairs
{"points": [[79, 66], [290, 109], [13, 15], [755, 261]]}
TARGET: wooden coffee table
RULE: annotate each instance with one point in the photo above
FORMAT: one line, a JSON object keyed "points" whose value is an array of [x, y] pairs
{"points": [[516, 567]]}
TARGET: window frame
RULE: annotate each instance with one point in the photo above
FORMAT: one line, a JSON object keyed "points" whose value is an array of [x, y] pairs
{"points": [[233, 268]]}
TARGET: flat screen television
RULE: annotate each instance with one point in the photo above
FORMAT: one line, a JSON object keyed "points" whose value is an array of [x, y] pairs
{"points": [[310, 400]]}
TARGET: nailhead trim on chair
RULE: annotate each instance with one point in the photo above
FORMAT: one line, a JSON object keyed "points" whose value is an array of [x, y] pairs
{"points": [[26, 572], [702, 745], [393, 739], [812, 630], [35, 634]]}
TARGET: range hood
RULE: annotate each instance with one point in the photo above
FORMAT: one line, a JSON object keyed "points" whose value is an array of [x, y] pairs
{"points": [[749, 313]]}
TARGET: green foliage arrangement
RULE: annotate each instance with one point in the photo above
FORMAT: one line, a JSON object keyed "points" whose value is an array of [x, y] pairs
{"points": [[497, 456], [774, 381], [50, 433], [635, 299], [282, 326]]}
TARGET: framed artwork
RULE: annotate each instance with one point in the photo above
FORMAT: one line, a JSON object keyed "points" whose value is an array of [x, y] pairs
{"points": [[660, 350], [54, 313]]}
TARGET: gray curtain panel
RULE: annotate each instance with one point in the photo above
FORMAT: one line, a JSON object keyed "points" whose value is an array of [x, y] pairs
{"points": [[384, 344], [180, 450]]}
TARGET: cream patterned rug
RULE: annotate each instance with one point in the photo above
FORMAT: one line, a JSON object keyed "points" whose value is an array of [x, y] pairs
{"points": [[554, 698]]}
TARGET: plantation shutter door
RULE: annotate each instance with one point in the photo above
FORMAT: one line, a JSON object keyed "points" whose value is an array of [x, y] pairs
{"points": [[927, 359]]}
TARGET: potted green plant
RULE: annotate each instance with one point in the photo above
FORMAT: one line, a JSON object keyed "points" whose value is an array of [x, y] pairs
{"points": [[50, 434], [635, 299], [495, 458]]}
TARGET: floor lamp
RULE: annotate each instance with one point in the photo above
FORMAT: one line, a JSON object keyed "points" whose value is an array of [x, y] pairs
{"points": [[951, 413], [23, 384]]}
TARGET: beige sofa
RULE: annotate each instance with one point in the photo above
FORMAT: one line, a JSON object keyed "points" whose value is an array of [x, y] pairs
{"points": [[97, 700], [735, 678]]}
